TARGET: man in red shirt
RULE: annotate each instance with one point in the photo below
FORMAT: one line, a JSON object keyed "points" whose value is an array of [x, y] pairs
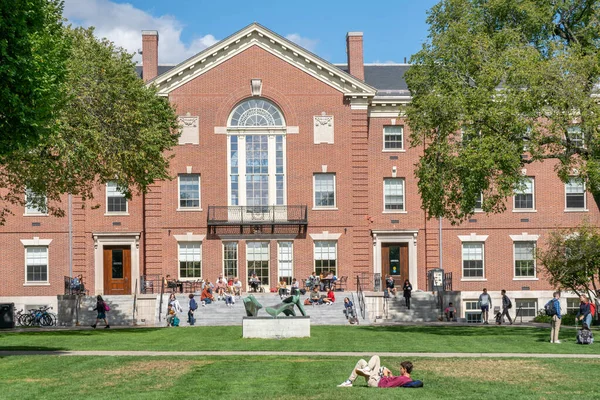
{"points": [[378, 376]]}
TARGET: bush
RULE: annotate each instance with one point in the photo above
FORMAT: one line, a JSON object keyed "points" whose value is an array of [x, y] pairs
{"points": [[566, 319]]}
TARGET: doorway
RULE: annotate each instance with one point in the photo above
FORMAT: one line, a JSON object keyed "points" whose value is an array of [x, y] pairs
{"points": [[394, 261], [117, 270]]}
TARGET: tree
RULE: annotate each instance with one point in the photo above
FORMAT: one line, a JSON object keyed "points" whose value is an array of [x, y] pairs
{"points": [[33, 55], [497, 79], [111, 127], [571, 259]]}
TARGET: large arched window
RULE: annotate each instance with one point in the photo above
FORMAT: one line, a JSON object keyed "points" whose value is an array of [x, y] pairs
{"points": [[256, 112], [256, 156]]}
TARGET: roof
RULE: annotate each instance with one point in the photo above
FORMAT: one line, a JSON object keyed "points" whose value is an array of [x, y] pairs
{"points": [[388, 79]]}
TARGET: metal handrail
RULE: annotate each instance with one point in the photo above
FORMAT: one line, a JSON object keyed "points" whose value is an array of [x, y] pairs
{"points": [[386, 306], [135, 300], [361, 297], [519, 312], [162, 289]]}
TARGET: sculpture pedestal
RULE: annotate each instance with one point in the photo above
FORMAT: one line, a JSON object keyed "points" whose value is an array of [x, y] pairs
{"points": [[276, 328]]}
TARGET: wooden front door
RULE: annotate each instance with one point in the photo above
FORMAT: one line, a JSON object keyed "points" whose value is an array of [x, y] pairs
{"points": [[117, 270], [394, 261]]}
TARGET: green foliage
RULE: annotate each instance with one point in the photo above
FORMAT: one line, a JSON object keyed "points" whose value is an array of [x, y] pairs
{"points": [[111, 127], [571, 259], [566, 319], [505, 73], [33, 55]]}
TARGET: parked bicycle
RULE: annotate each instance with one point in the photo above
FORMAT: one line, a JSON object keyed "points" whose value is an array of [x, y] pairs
{"points": [[36, 317]]}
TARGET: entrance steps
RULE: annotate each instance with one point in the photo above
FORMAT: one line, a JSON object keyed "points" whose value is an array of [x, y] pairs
{"points": [[423, 308], [218, 313]]}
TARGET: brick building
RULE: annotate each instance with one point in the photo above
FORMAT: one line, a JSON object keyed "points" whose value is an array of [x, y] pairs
{"points": [[286, 164]]}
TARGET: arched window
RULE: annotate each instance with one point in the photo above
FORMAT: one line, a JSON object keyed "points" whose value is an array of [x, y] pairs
{"points": [[256, 112]]}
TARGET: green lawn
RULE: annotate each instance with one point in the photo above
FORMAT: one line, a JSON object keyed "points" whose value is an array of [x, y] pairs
{"points": [[54, 377], [371, 339]]}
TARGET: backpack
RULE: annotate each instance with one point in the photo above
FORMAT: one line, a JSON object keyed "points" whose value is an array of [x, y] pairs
{"points": [[106, 306], [549, 307], [593, 309], [585, 336], [175, 321], [193, 305], [509, 304]]}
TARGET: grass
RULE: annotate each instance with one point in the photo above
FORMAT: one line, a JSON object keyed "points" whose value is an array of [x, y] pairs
{"points": [[54, 377], [371, 339]]}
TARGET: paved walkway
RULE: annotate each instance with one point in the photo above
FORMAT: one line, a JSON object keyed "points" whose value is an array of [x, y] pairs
{"points": [[96, 353]]}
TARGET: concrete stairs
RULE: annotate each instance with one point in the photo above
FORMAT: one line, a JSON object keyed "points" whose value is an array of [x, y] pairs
{"points": [[423, 308], [218, 313]]}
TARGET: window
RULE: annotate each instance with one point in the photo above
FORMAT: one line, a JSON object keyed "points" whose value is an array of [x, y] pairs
{"points": [[115, 199], [393, 195], [472, 255], [524, 197], [575, 135], [230, 259], [257, 256], [479, 202], [190, 260], [528, 307], [525, 259], [32, 201], [575, 194], [256, 112], [393, 137], [325, 257], [189, 191], [472, 312], [285, 259], [573, 305], [324, 190], [36, 260]]}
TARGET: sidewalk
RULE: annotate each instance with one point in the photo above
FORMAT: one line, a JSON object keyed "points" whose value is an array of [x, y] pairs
{"points": [[286, 353]]}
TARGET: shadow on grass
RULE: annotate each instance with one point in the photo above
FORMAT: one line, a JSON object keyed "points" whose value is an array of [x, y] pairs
{"points": [[33, 349], [487, 331]]}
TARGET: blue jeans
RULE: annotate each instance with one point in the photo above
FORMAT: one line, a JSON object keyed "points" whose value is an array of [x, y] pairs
{"points": [[191, 319], [588, 320]]}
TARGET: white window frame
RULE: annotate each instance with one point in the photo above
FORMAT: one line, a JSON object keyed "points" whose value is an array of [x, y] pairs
{"points": [[291, 260], [32, 210], [572, 309], [36, 283], [237, 258], [332, 207], [578, 141], [268, 247], [475, 278], [534, 308], [476, 311], [529, 278], [179, 260], [126, 212], [533, 208], [480, 209], [335, 244], [179, 207], [393, 150], [399, 210], [571, 209]]}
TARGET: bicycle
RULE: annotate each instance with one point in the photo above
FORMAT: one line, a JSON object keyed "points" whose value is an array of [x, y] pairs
{"points": [[40, 317]]}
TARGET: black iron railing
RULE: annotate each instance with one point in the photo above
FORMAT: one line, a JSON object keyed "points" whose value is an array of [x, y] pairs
{"points": [[257, 215], [74, 286], [361, 297], [448, 281]]}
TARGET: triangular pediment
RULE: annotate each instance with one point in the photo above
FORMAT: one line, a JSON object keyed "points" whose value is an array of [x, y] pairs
{"points": [[257, 35]]}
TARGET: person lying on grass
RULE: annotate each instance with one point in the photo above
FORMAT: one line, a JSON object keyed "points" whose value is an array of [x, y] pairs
{"points": [[379, 376]]}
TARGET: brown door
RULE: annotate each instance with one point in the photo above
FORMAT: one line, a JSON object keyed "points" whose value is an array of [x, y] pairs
{"points": [[394, 260], [117, 270]]}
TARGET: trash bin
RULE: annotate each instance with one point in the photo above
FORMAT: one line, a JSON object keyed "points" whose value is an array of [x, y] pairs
{"points": [[7, 315]]}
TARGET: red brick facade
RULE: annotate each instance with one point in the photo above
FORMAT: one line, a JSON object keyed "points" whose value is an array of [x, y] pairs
{"points": [[358, 221]]}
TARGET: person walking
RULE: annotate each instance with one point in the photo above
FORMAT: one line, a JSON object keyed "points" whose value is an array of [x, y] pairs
{"points": [[556, 318], [101, 309], [506, 306], [485, 302], [407, 289], [193, 306]]}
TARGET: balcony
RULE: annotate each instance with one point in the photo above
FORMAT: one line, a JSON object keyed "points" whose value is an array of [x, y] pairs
{"points": [[253, 220]]}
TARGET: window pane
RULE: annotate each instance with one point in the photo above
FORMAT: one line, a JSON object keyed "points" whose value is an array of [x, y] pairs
{"points": [[256, 112], [325, 257], [285, 260], [324, 190], [189, 191], [524, 259], [393, 136], [257, 256], [472, 311], [524, 198], [575, 193], [37, 264], [230, 259], [394, 193], [472, 260], [190, 260], [528, 307], [31, 208], [115, 199]]}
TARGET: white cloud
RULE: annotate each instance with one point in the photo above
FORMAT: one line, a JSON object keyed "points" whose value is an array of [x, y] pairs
{"points": [[123, 24], [308, 44]]}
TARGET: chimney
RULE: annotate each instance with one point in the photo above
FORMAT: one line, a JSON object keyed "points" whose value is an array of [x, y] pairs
{"points": [[149, 55], [354, 48]]}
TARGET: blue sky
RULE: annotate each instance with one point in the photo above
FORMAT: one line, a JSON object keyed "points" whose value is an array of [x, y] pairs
{"points": [[392, 29]]}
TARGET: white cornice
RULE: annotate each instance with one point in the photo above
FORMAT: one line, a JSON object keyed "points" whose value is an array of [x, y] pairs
{"points": [[473, 238], [189, 237], [524, 237], [36, 241], [257, 35], [325, 236]]}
